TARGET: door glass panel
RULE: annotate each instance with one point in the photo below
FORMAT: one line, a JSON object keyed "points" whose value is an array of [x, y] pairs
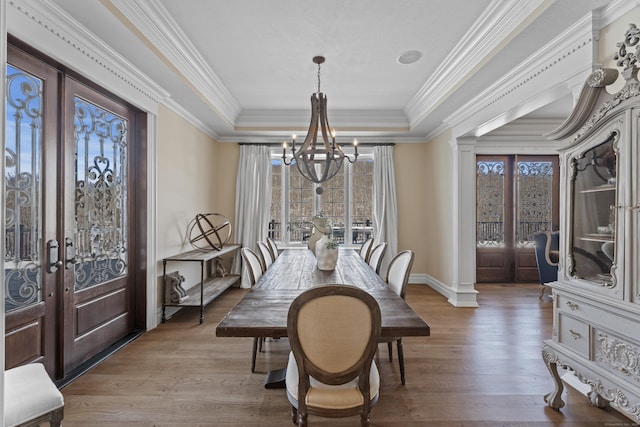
{"points": [[100, 236], [594, 222], [535, 200], [490, 203], [23, 160]]}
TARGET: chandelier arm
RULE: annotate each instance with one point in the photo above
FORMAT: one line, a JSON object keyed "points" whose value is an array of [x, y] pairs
{"points": [[324, 124]]}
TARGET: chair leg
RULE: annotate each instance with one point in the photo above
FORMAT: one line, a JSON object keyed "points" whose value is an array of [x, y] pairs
{"points": [[401, 360], [294, 415], [390, 347], [542, 291], [56, 418], [365, 420], [253, 354]]}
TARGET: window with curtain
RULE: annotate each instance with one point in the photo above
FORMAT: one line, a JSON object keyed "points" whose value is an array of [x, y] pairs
{"points": [[345, 200]]}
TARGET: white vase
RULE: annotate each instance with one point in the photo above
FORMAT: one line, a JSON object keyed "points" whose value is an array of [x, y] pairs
{"points": [[319, 228], [327, 258]]}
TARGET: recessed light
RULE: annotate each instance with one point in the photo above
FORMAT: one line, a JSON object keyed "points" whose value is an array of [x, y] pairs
{"points": [[409, 57]]}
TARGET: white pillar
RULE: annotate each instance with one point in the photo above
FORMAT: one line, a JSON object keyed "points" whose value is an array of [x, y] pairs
{"points": [[464, 226]]}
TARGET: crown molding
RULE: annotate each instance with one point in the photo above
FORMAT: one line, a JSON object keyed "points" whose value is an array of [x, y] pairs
{"points": [[496, 26], [156, 24], [576, 45], [341, 120], [74, 45]]}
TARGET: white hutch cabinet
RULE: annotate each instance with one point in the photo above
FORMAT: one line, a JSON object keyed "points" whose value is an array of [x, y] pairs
{"points": [[596, 313]]}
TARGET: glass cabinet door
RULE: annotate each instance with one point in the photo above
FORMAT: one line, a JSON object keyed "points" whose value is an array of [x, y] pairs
{"points": [[593, 221]]}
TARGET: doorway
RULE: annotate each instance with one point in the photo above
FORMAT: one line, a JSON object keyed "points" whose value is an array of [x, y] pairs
{"points": [[75, 213], [516, 196]]}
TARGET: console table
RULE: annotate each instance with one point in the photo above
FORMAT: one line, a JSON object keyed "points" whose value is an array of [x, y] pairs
{"points": [[210, 286]]}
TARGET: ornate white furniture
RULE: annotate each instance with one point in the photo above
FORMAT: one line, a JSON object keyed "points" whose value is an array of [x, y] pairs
{"points": [[596, 323]]}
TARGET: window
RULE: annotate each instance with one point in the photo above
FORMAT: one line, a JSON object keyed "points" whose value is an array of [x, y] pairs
{"points": [[346, 201]]}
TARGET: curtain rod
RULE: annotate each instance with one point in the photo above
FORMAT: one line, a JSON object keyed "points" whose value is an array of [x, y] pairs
{"points": [[360, 144]]}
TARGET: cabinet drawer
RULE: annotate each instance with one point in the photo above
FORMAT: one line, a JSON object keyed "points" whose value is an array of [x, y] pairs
{"points": [[574, 334]]}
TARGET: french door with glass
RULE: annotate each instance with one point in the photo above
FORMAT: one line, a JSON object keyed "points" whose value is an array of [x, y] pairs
{"points": [[516, 196], [71, 261]]}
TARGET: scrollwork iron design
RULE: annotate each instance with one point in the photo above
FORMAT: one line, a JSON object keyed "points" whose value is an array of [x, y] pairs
{"points": [[23, 157], [100, 195]]}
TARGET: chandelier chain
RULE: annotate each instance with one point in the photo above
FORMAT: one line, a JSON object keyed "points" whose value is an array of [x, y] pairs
{"points": [[318, 78]]}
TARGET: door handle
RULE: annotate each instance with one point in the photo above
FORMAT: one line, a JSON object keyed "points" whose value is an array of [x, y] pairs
{"points": [[69, 254], [53, 256]]}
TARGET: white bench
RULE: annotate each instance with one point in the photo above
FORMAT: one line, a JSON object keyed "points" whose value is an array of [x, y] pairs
{"points": [[31, 398]]}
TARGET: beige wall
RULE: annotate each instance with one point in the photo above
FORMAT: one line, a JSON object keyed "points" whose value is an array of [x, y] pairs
{"points": [[413, 210], [438, 193], [187, 185]]}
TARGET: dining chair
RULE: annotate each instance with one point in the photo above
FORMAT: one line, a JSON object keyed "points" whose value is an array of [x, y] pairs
{"points": [[333, 331], [254, 266], [365, 249], [273, 248], [31, 398], [265, 255], [397, 279], [377, 254]]}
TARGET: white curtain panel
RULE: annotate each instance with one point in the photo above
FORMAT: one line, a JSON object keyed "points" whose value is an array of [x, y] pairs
{"points": [[385, 210], [253, 201]]}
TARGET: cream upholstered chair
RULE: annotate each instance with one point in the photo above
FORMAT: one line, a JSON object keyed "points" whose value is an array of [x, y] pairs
{"points": [[365, 249], [377, 253], [31, 398], [333, 331], [397, 279], [273, 248], [265, 254], [254, 266]]}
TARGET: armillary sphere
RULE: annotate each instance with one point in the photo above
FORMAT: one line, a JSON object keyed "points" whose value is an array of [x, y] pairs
{"points": [[209, 231]]}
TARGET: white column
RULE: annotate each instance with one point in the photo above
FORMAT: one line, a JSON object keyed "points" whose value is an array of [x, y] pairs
{"points": [[464, 227]]}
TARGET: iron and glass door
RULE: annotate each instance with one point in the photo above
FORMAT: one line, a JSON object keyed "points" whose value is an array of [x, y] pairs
{"points": [[71, 287], [516, 196]]}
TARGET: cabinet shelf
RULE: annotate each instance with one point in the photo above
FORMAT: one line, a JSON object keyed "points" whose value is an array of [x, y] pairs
{"points": [[595, 237], [599, 189]]}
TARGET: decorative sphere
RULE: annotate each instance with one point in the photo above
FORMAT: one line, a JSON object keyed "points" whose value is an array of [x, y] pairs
{"points": [[319, 190], [209, 231]]}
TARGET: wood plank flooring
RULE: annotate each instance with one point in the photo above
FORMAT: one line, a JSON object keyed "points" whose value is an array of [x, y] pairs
{"points": [[480, 367]]}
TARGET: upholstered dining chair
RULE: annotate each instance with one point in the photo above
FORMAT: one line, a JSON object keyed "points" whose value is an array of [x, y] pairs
{"points": [[397, 279], [333, 332], [546, 243], [377, 253], [365, 249], [273, 248], [254, 266], [265, 255]]}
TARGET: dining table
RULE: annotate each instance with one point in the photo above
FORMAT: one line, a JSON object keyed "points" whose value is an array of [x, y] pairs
{"points": [[263, 311]]}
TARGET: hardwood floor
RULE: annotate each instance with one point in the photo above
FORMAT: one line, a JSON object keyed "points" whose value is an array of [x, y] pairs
{"points": [[480, 367]]}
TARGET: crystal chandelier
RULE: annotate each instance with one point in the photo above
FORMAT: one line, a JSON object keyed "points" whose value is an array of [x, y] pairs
{"points": [[318, 162]]}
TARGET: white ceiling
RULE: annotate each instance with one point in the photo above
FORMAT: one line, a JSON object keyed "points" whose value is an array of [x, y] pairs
{"points": [[243, 69]]}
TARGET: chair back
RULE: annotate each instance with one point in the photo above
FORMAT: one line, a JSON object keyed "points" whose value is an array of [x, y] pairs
{"points": [[377, 253], [253, 263], [333, 331], [398, 273], [546, 241], [273, 248], [265, 254], [365, 249]]}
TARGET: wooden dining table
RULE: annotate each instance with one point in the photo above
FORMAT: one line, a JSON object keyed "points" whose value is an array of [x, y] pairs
{"points": [[263, 311]]}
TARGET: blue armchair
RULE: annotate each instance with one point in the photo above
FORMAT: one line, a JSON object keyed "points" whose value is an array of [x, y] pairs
{"points": [[547, 244]]}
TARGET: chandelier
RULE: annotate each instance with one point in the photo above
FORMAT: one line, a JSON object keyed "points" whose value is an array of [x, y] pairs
{"points": [[318, 161]]}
